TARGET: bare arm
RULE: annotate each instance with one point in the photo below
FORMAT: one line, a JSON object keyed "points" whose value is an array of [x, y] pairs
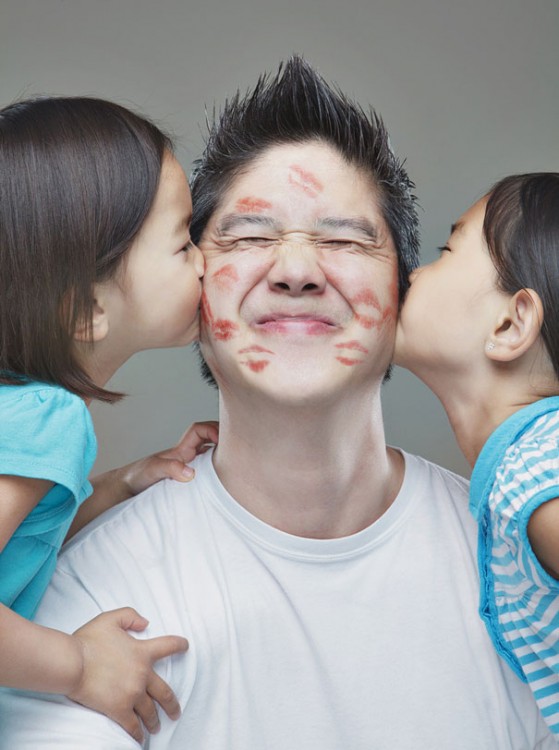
{"points": [[100, 665], [118, 485], [543, 533]]}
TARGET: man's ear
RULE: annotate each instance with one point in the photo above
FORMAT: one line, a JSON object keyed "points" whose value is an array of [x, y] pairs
{"points": [[99, 321], [517, 328]]}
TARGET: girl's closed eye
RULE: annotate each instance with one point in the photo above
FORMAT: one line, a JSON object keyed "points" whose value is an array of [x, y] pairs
{"points": [[443, 248]]}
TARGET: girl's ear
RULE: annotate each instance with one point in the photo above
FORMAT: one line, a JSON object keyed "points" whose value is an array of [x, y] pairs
{"points": [[518, 327], [99, 321]]}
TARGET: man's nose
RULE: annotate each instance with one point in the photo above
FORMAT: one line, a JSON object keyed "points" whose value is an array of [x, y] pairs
{"points": [[296, 270]]}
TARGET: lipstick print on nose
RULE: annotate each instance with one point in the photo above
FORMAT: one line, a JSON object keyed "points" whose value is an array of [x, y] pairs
{"points": [[305, 181], [221, 328]]}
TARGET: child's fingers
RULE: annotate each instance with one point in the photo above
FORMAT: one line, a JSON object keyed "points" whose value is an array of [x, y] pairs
{"points": [[126, 618], [160, 691], [164, 645], [146, 710], [195, 437], [131, 723]]}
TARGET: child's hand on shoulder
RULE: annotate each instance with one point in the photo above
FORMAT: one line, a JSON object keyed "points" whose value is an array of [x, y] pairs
{"points": [[171, 463], [117, 485]]}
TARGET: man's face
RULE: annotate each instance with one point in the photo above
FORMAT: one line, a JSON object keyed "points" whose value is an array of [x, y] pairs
{"points": [[301, 284]]}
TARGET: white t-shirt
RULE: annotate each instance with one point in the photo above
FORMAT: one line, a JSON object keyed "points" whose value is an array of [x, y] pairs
{"points": [[369, 642]]}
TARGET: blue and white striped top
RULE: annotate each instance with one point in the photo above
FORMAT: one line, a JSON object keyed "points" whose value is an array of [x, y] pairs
{"points": [[516, 471]]}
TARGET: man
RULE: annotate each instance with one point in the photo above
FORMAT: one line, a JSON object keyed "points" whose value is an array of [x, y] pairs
{"points": [[326, 583]]}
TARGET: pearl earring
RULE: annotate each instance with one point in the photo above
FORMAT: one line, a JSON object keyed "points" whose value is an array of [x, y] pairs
{"points": [[490, 346]]}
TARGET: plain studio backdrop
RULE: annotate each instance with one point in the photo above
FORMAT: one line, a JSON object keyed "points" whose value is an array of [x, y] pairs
{"points": [[469, 90]]}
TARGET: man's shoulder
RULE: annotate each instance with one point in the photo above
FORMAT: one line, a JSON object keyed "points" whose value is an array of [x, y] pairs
{"points": [[432, 475], [147, 521]]}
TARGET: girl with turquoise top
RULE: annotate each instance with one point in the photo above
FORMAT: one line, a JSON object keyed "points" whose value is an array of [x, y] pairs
{"points": [[96, 264], [480, 326]]}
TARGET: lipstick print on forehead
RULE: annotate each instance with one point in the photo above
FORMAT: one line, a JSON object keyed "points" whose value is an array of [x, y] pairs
{"points": [[304, 180], [251, 205]]}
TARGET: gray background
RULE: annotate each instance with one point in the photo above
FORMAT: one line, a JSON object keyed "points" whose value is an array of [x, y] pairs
{"points": [[468, 88]]}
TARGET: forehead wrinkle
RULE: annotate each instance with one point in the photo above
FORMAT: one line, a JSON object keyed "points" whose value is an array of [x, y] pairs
{"points": [[359, 224], [229, 221]]}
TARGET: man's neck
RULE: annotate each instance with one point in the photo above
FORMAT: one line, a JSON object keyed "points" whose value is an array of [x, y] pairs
{"points": [[322, 473]]}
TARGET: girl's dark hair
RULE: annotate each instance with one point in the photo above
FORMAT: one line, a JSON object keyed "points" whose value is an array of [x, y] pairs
{"points": [[521, 227], [78, 176], [296, 106]]}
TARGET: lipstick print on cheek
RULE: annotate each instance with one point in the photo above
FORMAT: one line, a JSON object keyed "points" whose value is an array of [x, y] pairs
{"points": [[251, 205], [221, 328], [305, 181], [348, 361], [225, 276], [367, 297], [255, 348], [256, 365], [353, 346]]}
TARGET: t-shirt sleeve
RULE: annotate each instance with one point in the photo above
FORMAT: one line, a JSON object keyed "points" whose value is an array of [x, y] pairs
{"points": [[47, 434], [528, 477]]}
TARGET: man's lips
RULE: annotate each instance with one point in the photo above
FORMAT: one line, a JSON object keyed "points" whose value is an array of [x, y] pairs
{"points": [[307, 324]]}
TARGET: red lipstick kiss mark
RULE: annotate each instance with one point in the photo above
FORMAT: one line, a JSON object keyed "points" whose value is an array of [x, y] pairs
{"points": [[349, 362], [252, 205], [256, 365], [205, 310], [366, 297], [367, 322], [305, 181], [256, 349], [222, 329], [225, 276], [353, 345]]}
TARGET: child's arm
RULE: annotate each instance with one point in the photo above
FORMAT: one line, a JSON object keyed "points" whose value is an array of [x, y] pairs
{"points": [[543, 533], [99, 666], [118, 485]]}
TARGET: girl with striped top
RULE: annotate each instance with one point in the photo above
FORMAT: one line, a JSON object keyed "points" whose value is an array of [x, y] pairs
{"points": [[480, 326]]}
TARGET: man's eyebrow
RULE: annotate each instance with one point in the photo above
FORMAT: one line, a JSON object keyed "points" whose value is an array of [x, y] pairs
{"points": [[359, 224], [232, 220]]}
